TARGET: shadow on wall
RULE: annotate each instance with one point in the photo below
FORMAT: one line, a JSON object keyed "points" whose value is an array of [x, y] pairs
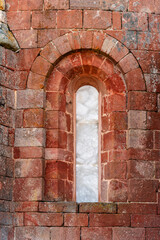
{"points": [[7, 39]]}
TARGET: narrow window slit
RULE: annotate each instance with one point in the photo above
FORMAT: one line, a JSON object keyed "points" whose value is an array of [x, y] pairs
{"points": [[87, 144]]}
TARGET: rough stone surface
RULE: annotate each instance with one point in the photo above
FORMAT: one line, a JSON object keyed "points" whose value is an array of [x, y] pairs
{"points": [[66, 44]]}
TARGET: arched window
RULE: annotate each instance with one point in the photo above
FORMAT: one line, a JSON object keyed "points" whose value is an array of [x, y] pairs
{"points": [[87, 141]]}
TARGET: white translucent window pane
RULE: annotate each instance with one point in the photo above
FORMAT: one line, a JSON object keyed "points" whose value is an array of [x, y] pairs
{"points": [[87, 144]]}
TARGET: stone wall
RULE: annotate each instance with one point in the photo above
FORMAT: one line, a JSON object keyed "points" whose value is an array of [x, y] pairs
{"points": [[114, 46]]}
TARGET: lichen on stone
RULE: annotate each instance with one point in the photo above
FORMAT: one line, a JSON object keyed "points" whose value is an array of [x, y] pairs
{"points": [[7, 40]]}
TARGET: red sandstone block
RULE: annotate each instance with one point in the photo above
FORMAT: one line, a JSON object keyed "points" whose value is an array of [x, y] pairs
{"points": [[137, 119], [56, 120], [158, 203], [28, 168], [83, 4], [87, 58], [18, 219], [145, 221], [54, 190], [119, 155], [46, 19], [119, 5], [97, 60], [86, 38], [115, 102], [28, 137], [104, 188], [19, 20], [70, 142], [6, 188], [115, 170], [22, 61], [55, 138], [30, 5], [74, 40], [140, 139], [116, 140], [54, 82], [128, 233], [33, 118], [152, 82], [98, 39], [104, 157], [28, 152], [13, 79], [97, 207], [152, 233], [47, 35], [148, 41], [157, 175], [128, 63], [144, 154], [69, 19], [56, 170], [62, 44], [141, 169], [117, 191], [22, 233], [153, 120], [116, 17], [64, 66], [50, 53], [27, 189], [118, 52], [62, 233], [157, 7], [145, 59], [11, 6], [75, 219], [142, 101], [6, 206], [135, 21], [76, 59], [141, 6], [157, 140], [25, 41], [57, 154], [70, 172], [100, 233], [128, 38], [43, 219], [58, 207], [6, 218], [41, 66], [58, 4], [134, 80], [142, 190], [26, 206], [154, 23], [69, 191], [108, 44], [55, 101], [35, 81], [114, 83], [109, 220], [115, 121], [137, 208], [97, 19]]}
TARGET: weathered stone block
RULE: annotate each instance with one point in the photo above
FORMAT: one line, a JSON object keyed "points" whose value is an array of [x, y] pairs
{"points": [[27, 137]]}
